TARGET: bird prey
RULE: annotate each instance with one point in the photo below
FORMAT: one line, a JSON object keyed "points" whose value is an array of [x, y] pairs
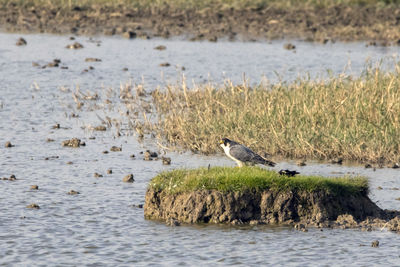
{"points": [[242, 154]]}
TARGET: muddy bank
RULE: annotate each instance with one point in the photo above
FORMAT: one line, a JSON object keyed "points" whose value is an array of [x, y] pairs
{"points": [[346, 23], [300, 209]]}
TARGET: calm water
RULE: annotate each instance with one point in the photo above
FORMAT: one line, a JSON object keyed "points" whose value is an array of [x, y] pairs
{"points": [[101, 226]]}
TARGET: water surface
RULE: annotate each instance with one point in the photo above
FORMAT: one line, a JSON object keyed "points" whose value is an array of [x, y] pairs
{"points": [[102, 226]]}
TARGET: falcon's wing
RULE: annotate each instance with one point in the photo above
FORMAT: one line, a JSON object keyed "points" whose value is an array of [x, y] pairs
{"points": [[242, 153]]}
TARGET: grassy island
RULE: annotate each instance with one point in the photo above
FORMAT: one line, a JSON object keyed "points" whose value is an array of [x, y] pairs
{"points": [[227, 179], [229, 195]]}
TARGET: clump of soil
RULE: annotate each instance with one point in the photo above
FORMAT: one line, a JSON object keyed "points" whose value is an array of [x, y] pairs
{"points": [[73, 192], [75, 45], [100, 128], [8, 144], [21, 41], [116, 149], [149, 155], [74, 142], [318, 209], [128, 178], [33, 206], [11, 178], [92, 59], [166, 160]]}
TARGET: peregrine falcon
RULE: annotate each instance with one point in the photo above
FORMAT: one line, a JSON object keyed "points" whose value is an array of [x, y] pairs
{"points": [[242, 154]]}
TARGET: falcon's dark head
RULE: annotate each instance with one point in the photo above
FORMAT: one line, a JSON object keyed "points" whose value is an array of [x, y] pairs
{"points": [[225, 141]]}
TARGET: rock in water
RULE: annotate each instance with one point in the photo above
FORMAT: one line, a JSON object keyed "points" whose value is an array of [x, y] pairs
{"points": [[128, 179]]}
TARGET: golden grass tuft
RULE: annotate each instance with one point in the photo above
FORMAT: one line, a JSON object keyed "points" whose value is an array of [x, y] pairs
{"points": [[354, 118]]}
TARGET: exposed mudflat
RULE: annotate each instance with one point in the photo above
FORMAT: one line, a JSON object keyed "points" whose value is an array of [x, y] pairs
{"points": [[381, 25], [298, 209]]}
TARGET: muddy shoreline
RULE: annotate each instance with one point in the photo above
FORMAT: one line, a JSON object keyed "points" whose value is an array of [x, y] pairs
{"points": [[298, 209], [377, 25]]}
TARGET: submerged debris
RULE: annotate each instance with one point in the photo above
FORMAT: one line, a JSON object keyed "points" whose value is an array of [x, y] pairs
{"points": [[75, 45], [21, 41], [56, 126], [129, 34], [128, 179], [375, 244], [289, 46], [92, 59], [11, 178], [337, 161], [8, 144], [100, 128], [300, 227], [367, 166], [172, 222], [166, 161], [301, 163], [74, 142], [33, 206], [160, 47], [149, 155], [115, 149]]}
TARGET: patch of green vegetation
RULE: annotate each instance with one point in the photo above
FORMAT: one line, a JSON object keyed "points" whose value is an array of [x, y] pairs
{"points": [[227, 179]]}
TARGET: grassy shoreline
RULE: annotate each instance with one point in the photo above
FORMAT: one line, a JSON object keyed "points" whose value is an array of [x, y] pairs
{"points": [[227, 179], [357, 119]]}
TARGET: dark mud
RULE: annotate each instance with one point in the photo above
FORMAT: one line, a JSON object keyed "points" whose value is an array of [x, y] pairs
{"points": [[380, 25], [300, 209]]}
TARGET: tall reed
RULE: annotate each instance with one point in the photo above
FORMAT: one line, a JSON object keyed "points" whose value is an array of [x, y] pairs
{"points": [[354, 118]]}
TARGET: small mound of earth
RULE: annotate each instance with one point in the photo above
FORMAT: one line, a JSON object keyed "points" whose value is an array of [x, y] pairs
{"points": [[317, 209], [74, 142]]}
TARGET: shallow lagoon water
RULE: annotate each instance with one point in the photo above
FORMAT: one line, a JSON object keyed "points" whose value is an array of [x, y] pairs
{"points": [[101, 226]]}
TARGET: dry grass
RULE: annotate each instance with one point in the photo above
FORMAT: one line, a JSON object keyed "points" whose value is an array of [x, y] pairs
{"points": [[357, 119]]}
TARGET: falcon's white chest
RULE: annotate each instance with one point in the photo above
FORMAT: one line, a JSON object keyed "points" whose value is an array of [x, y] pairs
{"points": [[227, 152]]}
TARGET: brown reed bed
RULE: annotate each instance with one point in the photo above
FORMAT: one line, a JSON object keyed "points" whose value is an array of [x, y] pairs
{"points": [[357, 119]]}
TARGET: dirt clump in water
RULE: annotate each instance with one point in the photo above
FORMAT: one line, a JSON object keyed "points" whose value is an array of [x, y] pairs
{"points": [[8, 144], [21, 41], [213, 22], [33, 206], [116, 149], [74, 142], [128, 178], [315, 209]]}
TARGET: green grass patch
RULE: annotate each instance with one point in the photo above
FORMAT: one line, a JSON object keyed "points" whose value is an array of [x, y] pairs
{"points": [[227, 179]]}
